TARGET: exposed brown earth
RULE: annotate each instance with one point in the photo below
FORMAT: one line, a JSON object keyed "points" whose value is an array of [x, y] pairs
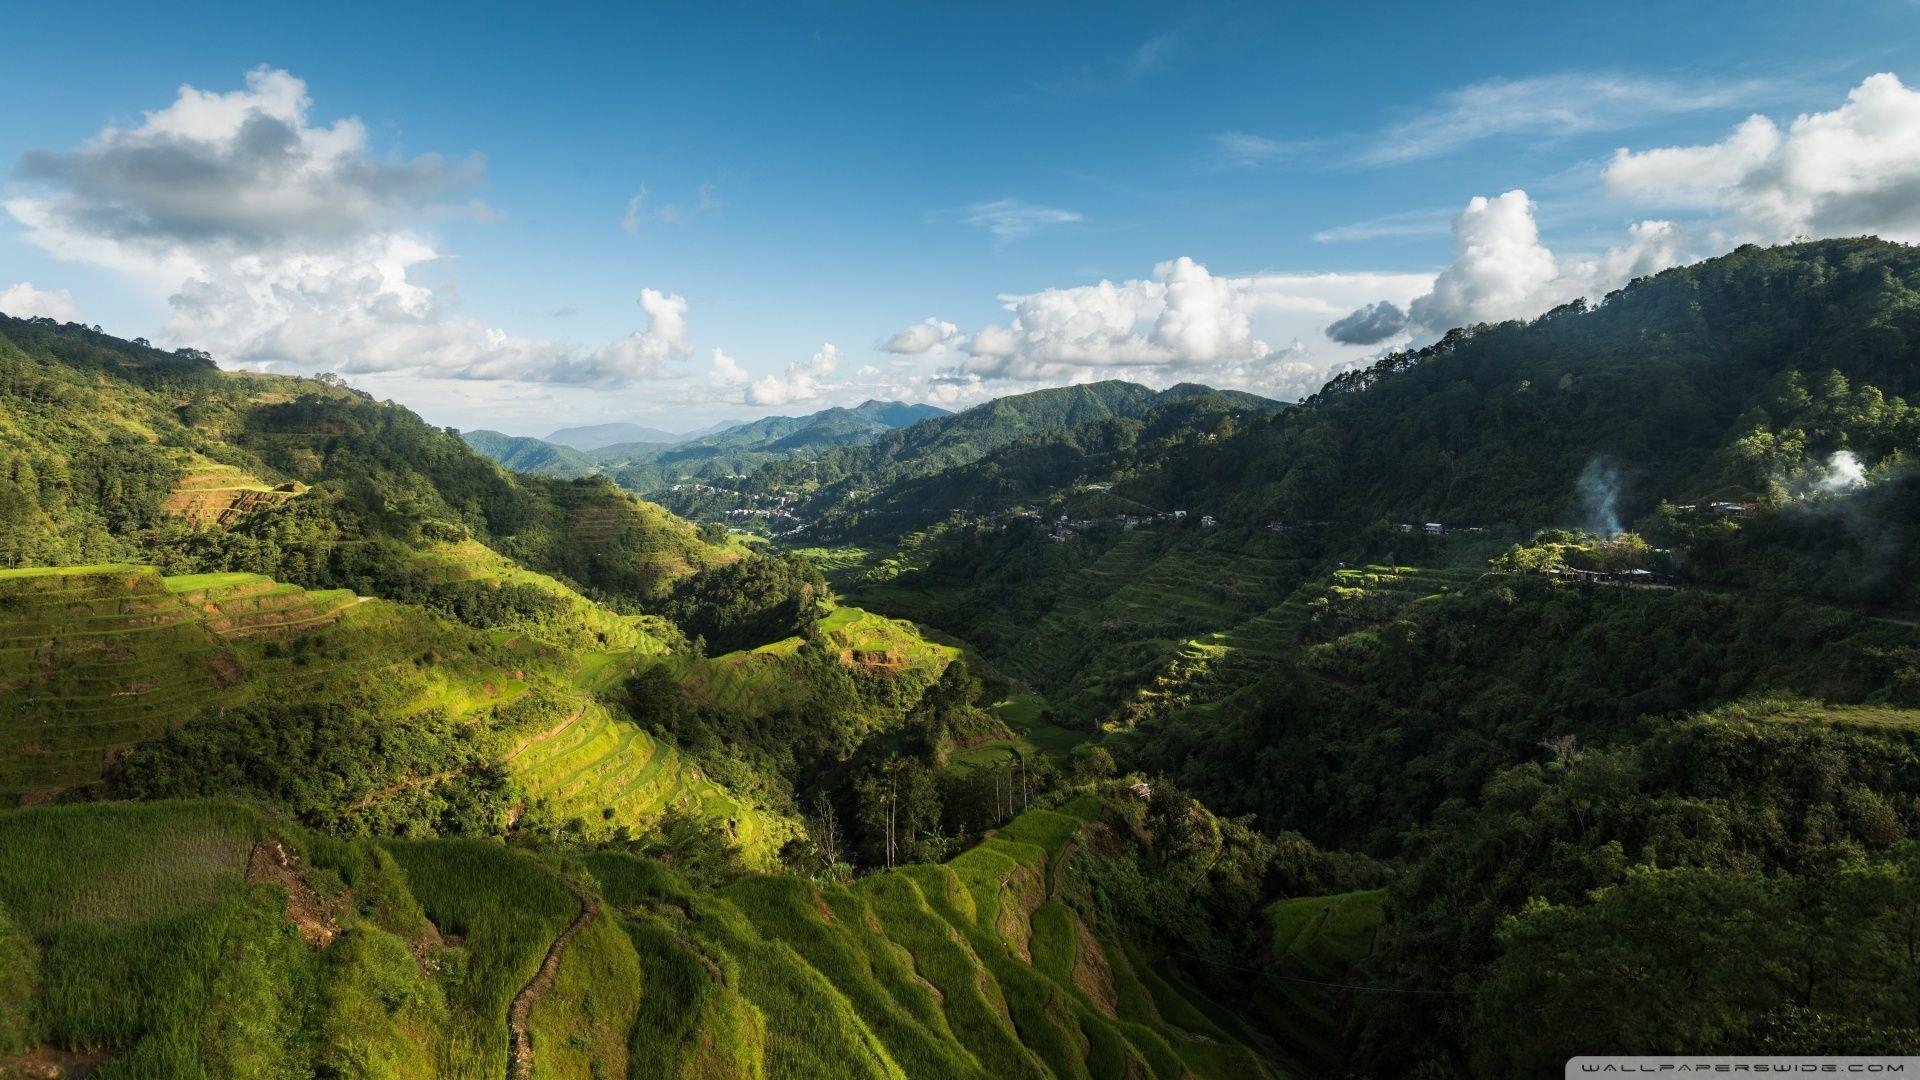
{"points": [[519, 1030], [310, 914]]}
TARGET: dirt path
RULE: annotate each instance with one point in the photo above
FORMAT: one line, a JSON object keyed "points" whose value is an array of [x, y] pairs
{"points": [[519, 1030]]}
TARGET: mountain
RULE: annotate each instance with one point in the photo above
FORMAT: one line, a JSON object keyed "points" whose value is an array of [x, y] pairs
{"points": [[965, 436], [743, 447], [1687, 386], [596, 436], [356, 729], [910, 476], [1443, 724], [644, 460], [1462, 700], [522, 454]]}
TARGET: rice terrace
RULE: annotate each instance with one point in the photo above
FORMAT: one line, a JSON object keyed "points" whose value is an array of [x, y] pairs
{"points": [[774, 542]]}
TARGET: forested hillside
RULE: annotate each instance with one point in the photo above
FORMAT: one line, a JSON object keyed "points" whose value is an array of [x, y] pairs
{"points": [[1734, 379], [495, 739], [1551, 690], [655, 462], [521, 454]]}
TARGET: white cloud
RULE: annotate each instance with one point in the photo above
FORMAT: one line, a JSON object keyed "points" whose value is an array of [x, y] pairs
{"points": [[281, 241], [1239, 149], [22, 301], [1404, 223], [1851, 170], [799, 383], [1152, 53], [638, 212], [1552, 106], [1502, 270], [928, 336], [727, 371], [1183, 316], [1183, 323], [1011, 219]]}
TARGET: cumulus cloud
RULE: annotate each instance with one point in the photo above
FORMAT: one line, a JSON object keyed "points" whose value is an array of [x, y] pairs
{"points": [[22, 301], [280, 240], [799, 383], [1182, 323], [1182, 316], [1369, 325], [727, 371], [931, 335], [244, 168], [1851, 170], [1501, 270], [1011, 219]]}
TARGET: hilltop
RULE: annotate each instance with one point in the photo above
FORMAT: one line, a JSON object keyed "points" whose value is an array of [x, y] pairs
{"points": [[522, 454], [989, 456], [595, 436], [654, 460]]}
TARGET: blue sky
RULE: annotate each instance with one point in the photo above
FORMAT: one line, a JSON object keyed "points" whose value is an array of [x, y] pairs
{"points": [[819, 175]]}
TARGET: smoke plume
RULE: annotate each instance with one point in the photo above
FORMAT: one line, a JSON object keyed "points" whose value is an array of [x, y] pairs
{"points": [[1844, 472], [1599, 488]]}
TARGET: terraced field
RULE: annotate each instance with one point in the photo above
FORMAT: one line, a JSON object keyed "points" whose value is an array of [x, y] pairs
{"points": [[93, 659], [1208, 669], [1132, 611], [983, 966], [214, 494], [607, 772], [1317, 940], [752, 681]]}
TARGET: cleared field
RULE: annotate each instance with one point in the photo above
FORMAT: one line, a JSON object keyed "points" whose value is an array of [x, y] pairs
{"points": [[210, 493]]}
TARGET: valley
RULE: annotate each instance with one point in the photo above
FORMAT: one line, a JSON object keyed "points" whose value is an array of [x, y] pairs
{"points": [[1093, 731]]}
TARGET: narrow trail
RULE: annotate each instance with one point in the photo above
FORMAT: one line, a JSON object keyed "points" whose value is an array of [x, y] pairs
{"points": [[519, 1014]]}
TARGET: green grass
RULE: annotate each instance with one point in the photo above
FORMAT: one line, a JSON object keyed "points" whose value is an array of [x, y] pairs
{"points": [[196, 582], [117, 863], [144, 937], [580, 1026], [508, 910], [149, 940], [1323, 935], [1317, 939]]}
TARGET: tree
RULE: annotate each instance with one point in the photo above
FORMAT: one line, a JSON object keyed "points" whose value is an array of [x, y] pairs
{"points": [[1091, 764], [899, 805]]}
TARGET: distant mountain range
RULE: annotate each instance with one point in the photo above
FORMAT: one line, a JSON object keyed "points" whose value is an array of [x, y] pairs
{"points": [[644, 459]]}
